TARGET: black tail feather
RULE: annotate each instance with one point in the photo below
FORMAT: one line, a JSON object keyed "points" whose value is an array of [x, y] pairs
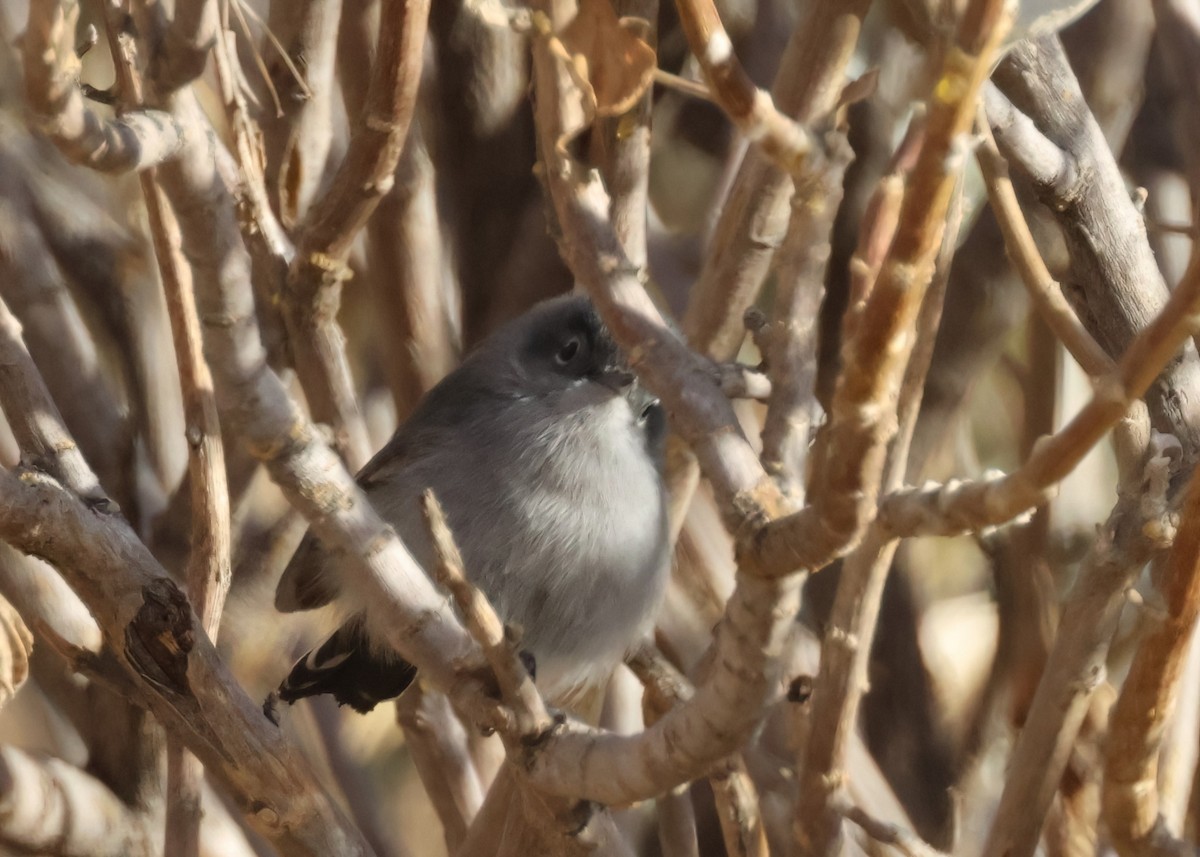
{"points": [[346, 667]]}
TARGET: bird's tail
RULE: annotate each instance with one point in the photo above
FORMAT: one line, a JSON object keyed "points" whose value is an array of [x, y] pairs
{"points": [[349, 668]]}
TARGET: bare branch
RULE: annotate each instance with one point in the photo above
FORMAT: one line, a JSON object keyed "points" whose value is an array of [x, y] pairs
{"points": [[851, 446], [192, 35], [755, 214], [751, 109], [791, 337], [1113, 269], [1043, 289], [133, 142], [438, 745], [16, 644], [516, 685], [1132, 813], [846, 646], [1076, 665], [208, 569], [366, 174], [967, 506], [734, 793], [300, 73], [39, 429], [904, 841]]}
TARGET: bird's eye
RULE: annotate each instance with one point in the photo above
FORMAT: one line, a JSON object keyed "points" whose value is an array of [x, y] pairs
{"points": [[568, 351]]}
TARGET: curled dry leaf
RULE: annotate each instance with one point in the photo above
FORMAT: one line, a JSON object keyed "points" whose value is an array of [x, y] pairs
{"points": [[16, 644], [611, 62]]}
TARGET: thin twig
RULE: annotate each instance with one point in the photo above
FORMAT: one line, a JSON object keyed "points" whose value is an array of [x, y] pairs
{"points": [[1045, 292], [959, 507], [850, 632], [754, 216], [208, 568], [314, 282], [904, 841], [682, 84], [516, 685], [1112, 264]]}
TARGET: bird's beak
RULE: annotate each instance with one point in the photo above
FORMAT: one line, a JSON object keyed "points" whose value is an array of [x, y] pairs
{"points": [[617, 379]]}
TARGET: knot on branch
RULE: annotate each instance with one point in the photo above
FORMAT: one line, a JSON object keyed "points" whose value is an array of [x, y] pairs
{"points": [[160, 637]]}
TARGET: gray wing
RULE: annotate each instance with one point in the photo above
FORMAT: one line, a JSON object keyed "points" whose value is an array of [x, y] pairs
{"points": [[310, 579]]}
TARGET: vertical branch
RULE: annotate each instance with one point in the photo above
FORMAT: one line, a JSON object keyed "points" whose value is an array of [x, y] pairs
{"points": [[314, 282], [733, 791], [407, 279], [1132, 812], [755, 214], [438, 745], [194, 31], [846, 646], [208, 568], [791, 337], [298, 140], [851, 448]]}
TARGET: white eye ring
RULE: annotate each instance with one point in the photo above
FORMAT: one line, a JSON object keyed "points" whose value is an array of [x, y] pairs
{"points": [[567, 353]]}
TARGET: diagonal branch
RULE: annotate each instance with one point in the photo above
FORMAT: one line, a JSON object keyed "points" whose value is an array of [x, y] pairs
{"points": [[1045, 292], [959, 507], [752, 109]]}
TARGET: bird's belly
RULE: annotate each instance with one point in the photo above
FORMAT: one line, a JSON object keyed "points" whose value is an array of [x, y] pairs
{"points": [[588, 579]]}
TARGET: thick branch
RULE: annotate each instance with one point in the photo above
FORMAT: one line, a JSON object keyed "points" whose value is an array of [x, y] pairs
{"points": [[193, 33], [1114, 278]]}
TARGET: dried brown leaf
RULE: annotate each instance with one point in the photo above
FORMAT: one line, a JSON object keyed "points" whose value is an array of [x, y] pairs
{"points": [[611, 61]]}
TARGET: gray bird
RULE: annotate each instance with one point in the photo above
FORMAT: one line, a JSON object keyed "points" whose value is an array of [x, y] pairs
{"points": [[546, 454]]}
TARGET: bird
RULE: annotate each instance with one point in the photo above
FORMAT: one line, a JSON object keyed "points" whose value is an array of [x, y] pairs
{"points": [[546, 453]]}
